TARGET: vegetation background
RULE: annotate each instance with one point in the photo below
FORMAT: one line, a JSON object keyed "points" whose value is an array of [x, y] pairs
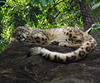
{"points": [[41, 14]]}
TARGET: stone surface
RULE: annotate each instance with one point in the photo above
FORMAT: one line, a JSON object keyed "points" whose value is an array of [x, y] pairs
{"points": [[16, 67]]}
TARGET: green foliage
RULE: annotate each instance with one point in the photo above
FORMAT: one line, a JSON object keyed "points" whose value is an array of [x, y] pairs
{"points": [[89, 1], [96, 7], [94, 27], [1, 15], [39, 13], [2, 2], [43, 2], [95, 10]]}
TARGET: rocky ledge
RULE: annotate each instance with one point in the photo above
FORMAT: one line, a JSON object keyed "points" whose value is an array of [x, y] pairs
{"points": [[16, 67]]}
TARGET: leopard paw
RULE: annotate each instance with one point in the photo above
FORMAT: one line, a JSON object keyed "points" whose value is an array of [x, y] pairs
{"points": [[63, 44], [54, 43]]}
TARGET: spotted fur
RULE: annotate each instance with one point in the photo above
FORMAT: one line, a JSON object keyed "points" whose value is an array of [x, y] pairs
{"points": [[65, 36]]}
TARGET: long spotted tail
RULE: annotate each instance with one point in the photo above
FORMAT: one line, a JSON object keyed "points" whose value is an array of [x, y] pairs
{"points": [[78, 54]]}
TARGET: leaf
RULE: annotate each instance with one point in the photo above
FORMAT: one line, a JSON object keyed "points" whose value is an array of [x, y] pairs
{"points": [[44, 2], [91, 31], [93, 28], [3, 0], [96, 26], [50, 0], [1, 16], [80, 0], [96, 8], [35, 2], [89, 1], [97, 1], [2, 3]]}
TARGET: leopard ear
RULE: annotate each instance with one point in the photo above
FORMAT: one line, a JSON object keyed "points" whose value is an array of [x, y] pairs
{"points": [[26, 25]]}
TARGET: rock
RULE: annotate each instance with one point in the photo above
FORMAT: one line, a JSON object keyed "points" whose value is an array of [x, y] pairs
{"points": [[16, 67]]}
